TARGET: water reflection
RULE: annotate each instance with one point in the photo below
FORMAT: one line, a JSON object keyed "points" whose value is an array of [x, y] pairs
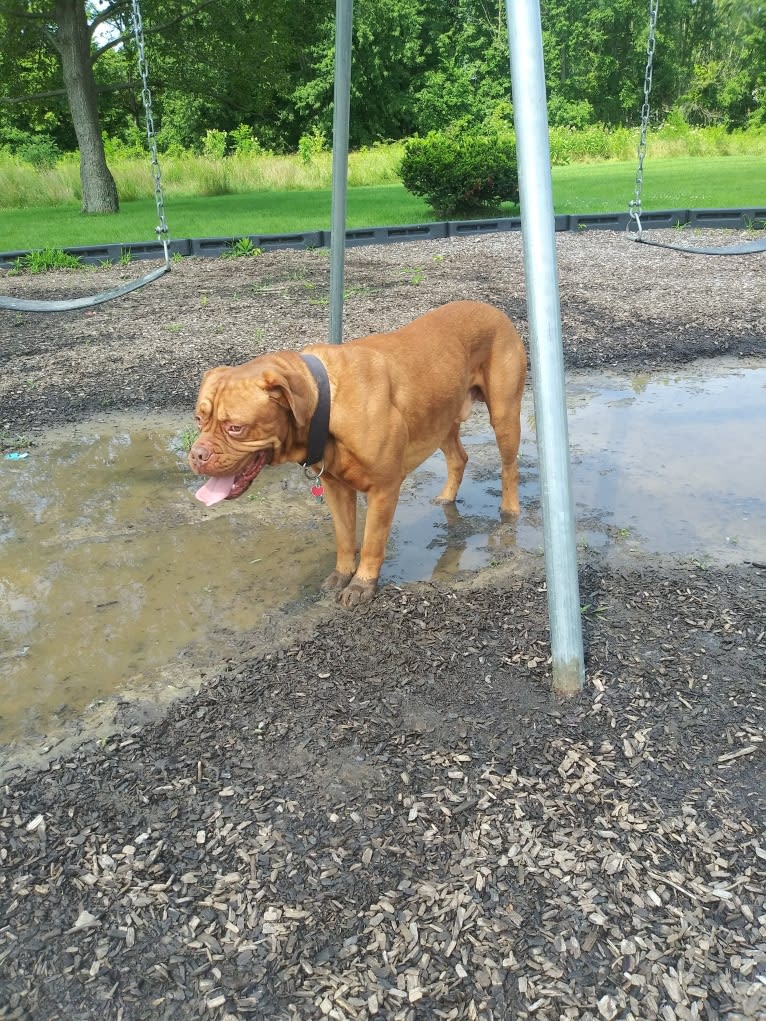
{"points": [[110, 568]]}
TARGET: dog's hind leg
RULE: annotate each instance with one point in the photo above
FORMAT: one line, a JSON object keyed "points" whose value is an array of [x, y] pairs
{"points": [[504, 387], [456, 458], [508, 436]]}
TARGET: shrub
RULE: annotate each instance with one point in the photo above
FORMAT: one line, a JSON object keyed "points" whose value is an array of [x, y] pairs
{"points": [[214, 144], [131, 144], [560, 143], [244, 141], [39, 150], [566, 113], [461, 173], [592, 143], [312, 144]]}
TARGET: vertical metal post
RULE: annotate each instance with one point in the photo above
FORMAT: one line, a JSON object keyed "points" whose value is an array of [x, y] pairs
{"points": [[541, 273], [340, 120]]}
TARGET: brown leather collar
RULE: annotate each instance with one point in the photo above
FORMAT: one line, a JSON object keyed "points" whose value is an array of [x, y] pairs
{"points": [[319, 427]]}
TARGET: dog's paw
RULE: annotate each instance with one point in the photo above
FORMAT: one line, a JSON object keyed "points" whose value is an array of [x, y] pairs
{"points": [[336, 581], [357, 592]]}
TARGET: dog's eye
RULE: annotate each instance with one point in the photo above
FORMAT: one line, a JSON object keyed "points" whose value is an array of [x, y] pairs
{"points": [[234, 430]]}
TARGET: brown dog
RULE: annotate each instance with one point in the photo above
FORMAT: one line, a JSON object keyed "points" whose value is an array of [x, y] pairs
{"points": [[394, 398]]}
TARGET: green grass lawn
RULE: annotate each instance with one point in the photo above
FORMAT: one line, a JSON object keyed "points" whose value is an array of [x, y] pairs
{"points": [[724, 182], [688, 182], [265, 212]]}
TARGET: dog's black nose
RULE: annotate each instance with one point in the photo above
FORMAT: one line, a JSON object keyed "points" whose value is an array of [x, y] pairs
{"points": [[198, 455]]}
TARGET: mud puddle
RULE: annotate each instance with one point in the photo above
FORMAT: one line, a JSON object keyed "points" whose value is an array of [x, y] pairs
{"points": [[114, 577]]}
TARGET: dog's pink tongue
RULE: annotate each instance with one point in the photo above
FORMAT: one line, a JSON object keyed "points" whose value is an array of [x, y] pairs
{"points": [[215, 490]]}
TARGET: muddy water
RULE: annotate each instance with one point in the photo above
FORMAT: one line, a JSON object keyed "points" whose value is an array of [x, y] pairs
{"points": [[112, 574]]}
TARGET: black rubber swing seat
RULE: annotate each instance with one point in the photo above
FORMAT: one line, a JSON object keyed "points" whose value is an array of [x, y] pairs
{"points": [[745, 248], [70, 304]]}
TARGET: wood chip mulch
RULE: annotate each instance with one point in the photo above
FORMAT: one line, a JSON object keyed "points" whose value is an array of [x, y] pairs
{"points": [[391, 817]]}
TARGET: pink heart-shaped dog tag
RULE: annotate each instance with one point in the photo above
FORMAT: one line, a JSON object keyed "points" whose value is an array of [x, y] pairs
{"points": [[317, 491]]}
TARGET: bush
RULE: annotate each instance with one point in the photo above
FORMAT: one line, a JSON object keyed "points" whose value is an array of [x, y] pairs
{"points": [[312, 144], [461, 173], [244, 141], [214, 144], [40, 150], [565, 113], [130, 145]]}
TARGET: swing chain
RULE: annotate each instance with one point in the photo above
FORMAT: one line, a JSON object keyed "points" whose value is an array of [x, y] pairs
{"points": [[138, 30], [634, 206]]}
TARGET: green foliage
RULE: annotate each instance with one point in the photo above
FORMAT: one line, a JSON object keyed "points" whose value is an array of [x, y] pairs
{"points": [[312, 144], [448, 96], [37, 148], [182, 122], [391, 44], [418, 66], [40, 151], [470, 78], [461, 173], [130, 144], [214, 144], [244, 142], [569, 113], [592, 144], [44, 259], [242, 248]]}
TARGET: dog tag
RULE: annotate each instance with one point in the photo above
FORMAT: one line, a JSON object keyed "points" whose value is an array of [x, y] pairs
{"points": [[317, 491]]}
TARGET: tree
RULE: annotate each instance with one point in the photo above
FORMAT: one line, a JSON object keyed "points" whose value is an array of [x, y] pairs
{"points": [[72, 39], [65, 28], [80, 34], [222, 63], [232, 63], [725, 81], [470, 82], [388, 54]]}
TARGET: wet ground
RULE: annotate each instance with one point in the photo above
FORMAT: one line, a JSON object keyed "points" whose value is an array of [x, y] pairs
{"points": [[386, 814], [102, 542]]}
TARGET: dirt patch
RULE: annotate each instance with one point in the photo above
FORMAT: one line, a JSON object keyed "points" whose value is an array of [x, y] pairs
{"points": [[386, 814]]}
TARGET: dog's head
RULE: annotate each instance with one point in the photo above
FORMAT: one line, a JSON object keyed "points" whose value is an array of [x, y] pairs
{"points": [[249, 416]]}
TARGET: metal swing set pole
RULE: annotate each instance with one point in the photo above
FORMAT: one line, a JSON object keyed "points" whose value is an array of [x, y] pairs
{"points": [[340, 120], [527, 73], [541, 274]]}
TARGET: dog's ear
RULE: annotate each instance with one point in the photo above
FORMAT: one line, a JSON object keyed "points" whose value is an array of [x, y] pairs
{"points": [[288, 388]]}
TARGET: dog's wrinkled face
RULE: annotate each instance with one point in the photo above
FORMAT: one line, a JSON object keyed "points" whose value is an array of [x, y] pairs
{"points": [[247, 416]]}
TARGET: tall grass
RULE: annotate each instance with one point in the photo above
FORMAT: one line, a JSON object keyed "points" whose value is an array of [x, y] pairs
{"points": [[23, 185], [674, 138]]}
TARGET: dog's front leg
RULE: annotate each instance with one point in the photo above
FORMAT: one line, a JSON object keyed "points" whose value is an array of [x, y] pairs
{"points": [[341, 500], [381, 505]]}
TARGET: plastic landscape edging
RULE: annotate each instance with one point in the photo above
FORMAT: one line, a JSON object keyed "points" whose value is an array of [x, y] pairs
{"points": [[665, 219]]}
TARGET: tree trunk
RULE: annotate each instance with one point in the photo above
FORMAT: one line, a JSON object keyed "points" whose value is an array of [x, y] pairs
{"points": [[99, 192]]}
